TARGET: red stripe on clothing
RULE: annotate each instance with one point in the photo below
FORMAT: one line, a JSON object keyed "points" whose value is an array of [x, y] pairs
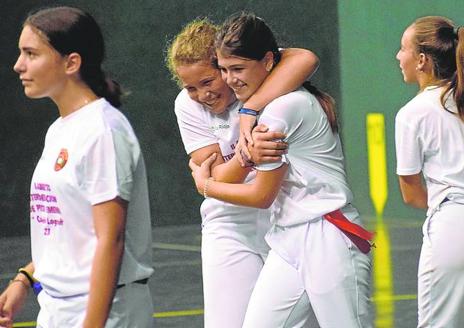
{"points": [[357, 234]]}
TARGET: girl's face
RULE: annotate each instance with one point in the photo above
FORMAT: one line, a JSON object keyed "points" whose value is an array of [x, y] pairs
{"points": [[244, 75], [408, 57], [204, 85], [40, 67]]}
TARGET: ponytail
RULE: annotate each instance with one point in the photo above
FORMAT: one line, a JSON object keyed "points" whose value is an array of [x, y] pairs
{"points": [[112, 92], [327, 103], [436, 37], [459, 79], [101, 85], [456, 84]]}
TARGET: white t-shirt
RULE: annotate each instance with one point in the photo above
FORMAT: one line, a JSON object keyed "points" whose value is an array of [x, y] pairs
{"points": [[431, 139], [89, 157], [200, 128], [315, 183]]}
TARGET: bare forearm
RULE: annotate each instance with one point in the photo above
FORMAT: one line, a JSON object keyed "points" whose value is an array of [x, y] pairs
{"points": [[103, 281], [240, 194], [261, 193], [230, 172], [295, 67], [419, 200], [413, 190]]}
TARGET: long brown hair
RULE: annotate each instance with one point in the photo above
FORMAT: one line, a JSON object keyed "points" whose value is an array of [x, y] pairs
{"points": [[246, 35], [69, 29], [437, 37]]}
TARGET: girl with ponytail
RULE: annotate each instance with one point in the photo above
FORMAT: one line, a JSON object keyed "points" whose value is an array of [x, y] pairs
{"points": [[90, 219], [318, 255], [430, 147]]}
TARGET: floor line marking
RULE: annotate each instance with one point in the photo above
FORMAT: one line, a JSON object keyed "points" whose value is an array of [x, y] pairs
{"points": [[177, 264], [25, 324], [195, 312], [184, 313], [167, 314], [177, 247]]}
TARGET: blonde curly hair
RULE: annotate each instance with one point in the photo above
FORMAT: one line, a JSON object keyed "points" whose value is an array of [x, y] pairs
{"points": [[195, 43]]}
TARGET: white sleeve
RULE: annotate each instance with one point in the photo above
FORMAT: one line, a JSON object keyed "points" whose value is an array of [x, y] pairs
{"points": [[281, 115], [409, 159], [108, 167], [193, 125]]}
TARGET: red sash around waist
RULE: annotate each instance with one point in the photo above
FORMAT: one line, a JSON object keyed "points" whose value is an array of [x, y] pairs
{"points": [[357, 234]]}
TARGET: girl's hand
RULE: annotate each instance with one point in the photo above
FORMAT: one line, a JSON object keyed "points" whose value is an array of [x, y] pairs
{"points": [[201, 173], [268, 146], [247, 122], [11, 301]]}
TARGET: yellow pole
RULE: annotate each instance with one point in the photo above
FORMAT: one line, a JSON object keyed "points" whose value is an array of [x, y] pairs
{"points": [[378, 189], [377, 161]]}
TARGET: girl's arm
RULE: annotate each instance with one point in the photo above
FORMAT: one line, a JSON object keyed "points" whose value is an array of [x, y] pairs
{"points": [[295, 67], [13, 297], [413, 190], [265, 150], [195, 130], [261, 193], [109, 221], [230, 171]]}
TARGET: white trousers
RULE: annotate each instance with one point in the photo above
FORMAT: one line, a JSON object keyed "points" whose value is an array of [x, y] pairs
{"points": [[132, 308], [312, 264], [233, 251], [441, 269]]}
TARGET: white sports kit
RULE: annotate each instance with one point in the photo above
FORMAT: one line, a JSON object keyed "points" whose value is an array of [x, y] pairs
{"points": [[430, 139], [310, 258], [233, 247], [90, 156]]}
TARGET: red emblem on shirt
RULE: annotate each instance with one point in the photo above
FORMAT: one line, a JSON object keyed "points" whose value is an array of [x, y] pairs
{"points": [[62, 159]]}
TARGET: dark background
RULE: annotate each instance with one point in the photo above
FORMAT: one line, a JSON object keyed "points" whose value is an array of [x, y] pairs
{"points": [[136, 34]]}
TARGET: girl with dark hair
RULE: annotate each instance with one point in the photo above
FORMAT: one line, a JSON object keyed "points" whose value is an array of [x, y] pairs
{"points": [[90, 219], [430, 146], [318, 248], [233, 248]]}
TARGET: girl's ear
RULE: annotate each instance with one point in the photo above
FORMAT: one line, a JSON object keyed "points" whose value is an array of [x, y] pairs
{"points": [[421, 62], [269, 61], [73, 63]]}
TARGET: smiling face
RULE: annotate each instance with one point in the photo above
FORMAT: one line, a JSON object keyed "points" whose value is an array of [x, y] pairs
{"points": [[204, 85], [408, 56], [40, 67], [244, 75]]}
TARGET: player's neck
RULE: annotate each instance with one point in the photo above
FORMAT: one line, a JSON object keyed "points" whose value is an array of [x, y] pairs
{"points": [[73, 97]]}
